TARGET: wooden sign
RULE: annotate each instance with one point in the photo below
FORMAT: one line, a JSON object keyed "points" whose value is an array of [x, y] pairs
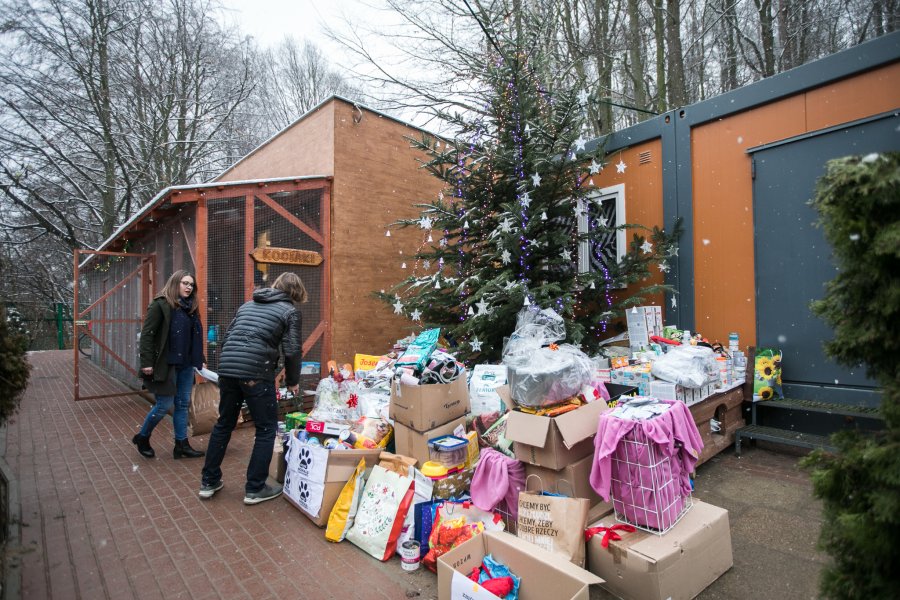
{"points": [[286, 256]]}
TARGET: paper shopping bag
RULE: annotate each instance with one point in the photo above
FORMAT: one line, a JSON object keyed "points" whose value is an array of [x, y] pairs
{"points": [[553, 522]]}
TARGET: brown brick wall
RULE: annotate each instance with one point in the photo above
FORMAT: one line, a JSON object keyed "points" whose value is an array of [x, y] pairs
{"points": [[305, 148], [376, 181]]}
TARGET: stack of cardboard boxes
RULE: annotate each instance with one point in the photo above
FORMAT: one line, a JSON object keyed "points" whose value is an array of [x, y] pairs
{"points": [[426, 412]]}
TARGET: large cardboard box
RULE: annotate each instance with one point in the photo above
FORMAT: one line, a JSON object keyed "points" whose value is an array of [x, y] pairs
{"points": [[410, 442], [544, 574], [315, 476], [678, 564], [572, 480], [424, 407], [556, 442]]}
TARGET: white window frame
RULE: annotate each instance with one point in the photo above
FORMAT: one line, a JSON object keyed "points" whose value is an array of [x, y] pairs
{"points": [[613, 193]]}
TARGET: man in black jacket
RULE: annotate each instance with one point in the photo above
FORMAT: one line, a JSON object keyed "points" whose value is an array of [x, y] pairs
{"points": [[247, 368]]}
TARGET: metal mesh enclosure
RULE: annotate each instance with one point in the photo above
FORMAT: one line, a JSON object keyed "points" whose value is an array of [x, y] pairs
{"points": [[227, 287], [225, 273], [111, 292]]}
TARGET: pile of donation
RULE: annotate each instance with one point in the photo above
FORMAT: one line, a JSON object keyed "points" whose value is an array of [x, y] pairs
{"points": [[532, 478]]}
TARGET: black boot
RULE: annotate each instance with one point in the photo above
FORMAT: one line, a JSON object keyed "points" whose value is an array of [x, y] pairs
{"points": [[183, 450], [143, 445]]}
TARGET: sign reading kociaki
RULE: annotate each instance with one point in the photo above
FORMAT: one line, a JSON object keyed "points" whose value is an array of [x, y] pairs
{"points": [[286, 256]]}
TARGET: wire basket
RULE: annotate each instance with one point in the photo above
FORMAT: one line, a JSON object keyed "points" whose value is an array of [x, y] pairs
{"points": [[645, 484]]}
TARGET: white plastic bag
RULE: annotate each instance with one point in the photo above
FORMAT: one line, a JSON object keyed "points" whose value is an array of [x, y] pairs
{"points": [[336, 402], [690, 366], [483, 396]]}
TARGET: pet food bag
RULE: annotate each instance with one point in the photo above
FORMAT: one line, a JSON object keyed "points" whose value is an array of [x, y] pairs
{"points": [[344, 511], [767, 375]]}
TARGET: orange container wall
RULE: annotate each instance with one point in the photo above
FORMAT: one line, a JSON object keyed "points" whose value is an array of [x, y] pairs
{"points": [[643, 196], [377, 181], [724, 271]]}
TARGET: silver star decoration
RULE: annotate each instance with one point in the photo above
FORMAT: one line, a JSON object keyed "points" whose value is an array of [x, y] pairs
{"points": [[580, 211], [416, 315], [673, 251], [621, 166], [525, 200], [663, 267], [398, 307], [504, 225], [583, 96], [425, 223], [647, 247], [674, 302], [579, 143], [506, 257], [536, 179], [426, 265], [476, 345], [482, 307], [443, 242], [510, 284], [603, 221], [534, 243], [596, 167], [567, 255]]}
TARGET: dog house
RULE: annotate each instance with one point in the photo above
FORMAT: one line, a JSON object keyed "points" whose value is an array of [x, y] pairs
{"points": [[315, 199]]}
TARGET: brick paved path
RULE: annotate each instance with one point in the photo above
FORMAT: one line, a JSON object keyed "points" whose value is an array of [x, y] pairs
{"points": [[100, 521]]}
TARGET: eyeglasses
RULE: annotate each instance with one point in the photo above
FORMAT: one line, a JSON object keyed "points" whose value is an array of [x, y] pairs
{"points": [[188, 283]]}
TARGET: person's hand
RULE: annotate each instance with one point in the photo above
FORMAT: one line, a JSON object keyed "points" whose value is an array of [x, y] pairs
{"points": [[203, 367], [147, 370], [294, 389]]}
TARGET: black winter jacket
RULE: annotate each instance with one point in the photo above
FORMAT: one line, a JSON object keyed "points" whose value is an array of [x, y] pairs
{"points": [[251, 345]]}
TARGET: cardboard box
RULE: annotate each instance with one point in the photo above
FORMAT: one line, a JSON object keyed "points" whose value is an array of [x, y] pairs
{"points": [[278, 464], [544, 574], [643, 322], [678, 564], [572, 480], [410, 442], [424, 407], [315, 476]]}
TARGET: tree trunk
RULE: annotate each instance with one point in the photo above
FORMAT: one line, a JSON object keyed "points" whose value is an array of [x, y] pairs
{"points": [[636, 52], [675, 58]]}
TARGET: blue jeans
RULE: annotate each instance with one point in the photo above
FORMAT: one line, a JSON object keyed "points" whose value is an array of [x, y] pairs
{"points": [[184, 381], [260, 398]]}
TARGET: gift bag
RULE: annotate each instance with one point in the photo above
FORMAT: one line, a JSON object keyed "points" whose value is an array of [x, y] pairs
{"points": [[553, 522], [381, 513], [767, 375], [454, 523], [203, 411]]}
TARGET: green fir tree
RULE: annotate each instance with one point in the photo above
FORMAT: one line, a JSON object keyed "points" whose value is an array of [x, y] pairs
{"points": [[504, 233], [858, 201]]}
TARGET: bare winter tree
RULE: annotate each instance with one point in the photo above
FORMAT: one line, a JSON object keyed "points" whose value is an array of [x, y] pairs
{"points": [[102, 104], [636, 57], [291, 79]]}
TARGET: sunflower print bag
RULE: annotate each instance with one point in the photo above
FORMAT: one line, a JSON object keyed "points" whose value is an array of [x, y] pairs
{"points": [[767, 375]]}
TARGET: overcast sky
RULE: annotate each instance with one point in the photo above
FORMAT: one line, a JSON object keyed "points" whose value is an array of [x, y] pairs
{"points": [[270, 20]]}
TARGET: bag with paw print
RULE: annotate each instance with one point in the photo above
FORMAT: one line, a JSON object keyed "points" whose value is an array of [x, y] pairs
{"points": [[381, 513]]}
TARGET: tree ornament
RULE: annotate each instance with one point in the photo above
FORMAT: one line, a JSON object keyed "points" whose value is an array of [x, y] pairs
{"points": [[544, 216], [466, 224], [403, 266], [387, 233], [476, 345]]}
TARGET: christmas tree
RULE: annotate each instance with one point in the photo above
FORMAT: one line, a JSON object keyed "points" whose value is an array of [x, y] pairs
{"points": [[504, 233]]}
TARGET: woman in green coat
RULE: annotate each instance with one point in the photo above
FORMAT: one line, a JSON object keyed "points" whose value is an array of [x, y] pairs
{"points": [[171, 347]]}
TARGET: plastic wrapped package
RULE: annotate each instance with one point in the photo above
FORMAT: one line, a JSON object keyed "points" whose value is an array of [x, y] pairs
{"points": [[689, 366], [336, 402], [540, 374], [374, 401]]}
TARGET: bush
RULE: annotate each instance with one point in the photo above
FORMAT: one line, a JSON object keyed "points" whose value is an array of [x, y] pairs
{"points": [[14, 368], [858, 200]]}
